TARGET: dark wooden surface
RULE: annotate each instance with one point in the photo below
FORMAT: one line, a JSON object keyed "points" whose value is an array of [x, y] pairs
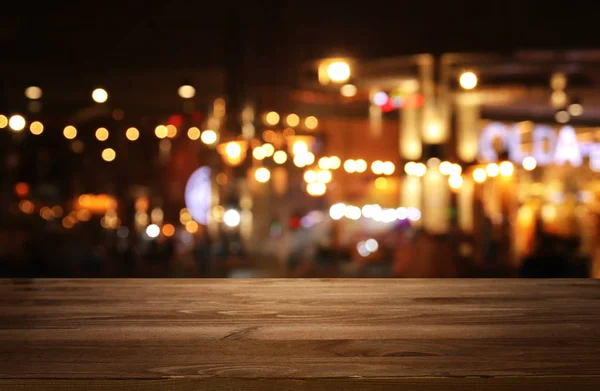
{"points": [[291, 334]]}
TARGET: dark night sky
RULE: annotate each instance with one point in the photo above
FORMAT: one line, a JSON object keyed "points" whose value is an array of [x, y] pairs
{"points": [[279, 34]]}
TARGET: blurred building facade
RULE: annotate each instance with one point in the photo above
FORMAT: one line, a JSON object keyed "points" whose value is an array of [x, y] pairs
{"points": [[455, 165]]}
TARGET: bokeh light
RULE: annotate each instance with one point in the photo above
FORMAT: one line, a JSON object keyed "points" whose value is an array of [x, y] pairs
{"points": [[479, 175], [209, 137], [232, 218], [161, 131], [292, 120], [99, 95], [311, 122], [280, 157], [262, 175], [272, 118], [101, 134], [109, 154], [132, 134], [529, 163], [348, 90], [193, 133], [168, 230], [16, 122], [186, 91], [338, 71], [33, 92], [468, 80], [36, 128]]}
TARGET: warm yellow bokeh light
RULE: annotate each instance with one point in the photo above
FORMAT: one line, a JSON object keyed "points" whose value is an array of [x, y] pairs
{"points": [[455, 181], [300, 147], [33, 92], [185, 217], [479, 175], [280, 157], [70, 132], [208, 137], [272, 118], [292, 120], [348, 90], [171, 131], [377, 167], [16, 122], [310, 176], [233, 150], [316, 189], [311, 122], [36, 128], [262, 175], [132, 134], [193, 133], [468, 80], [420, 169], [258, 153], [445, 168], [492, 170], [323, 163], [3, 121], [381, 183], [456, 169], [338, 71], [334, 162], [299, 161], [186, 91], [161, 131], [191, 227], [361, 165], [99, 95], [350, 166], [506, 168], [309, 158], [109, 154], [529, 163], [102, 134], [324, 176], [268, 149], [388, 168]]}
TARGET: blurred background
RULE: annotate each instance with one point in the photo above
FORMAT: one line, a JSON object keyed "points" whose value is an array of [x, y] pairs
{"points": [[299, 139]]}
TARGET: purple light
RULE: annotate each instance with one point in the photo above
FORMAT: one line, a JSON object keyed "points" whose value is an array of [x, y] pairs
{"points": [[380, 98], [198, 195]]}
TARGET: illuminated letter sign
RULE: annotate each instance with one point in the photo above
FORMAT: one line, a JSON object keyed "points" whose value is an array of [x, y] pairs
{"points": [[567, 147], [547, 148], [486, 143], [542, 135]]}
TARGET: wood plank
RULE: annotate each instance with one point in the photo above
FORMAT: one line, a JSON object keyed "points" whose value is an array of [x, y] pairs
{"points": [[299, 334]]}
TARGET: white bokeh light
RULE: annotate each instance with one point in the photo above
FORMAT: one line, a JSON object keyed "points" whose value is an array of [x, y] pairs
{"points": [[232, 218], [153, 231]]}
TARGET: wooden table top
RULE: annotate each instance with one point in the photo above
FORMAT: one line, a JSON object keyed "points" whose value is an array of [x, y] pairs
{"points": [[289, 334]]}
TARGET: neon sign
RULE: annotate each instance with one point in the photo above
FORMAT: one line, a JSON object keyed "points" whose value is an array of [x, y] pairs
{"points": [[548, 146]]}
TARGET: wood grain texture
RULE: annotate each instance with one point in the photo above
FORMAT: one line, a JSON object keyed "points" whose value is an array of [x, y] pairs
{"points": [[299, 334]]}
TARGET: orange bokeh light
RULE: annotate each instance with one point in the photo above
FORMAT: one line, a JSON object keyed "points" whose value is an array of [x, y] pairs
{"points": [[22, 189], [168, 230]]}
